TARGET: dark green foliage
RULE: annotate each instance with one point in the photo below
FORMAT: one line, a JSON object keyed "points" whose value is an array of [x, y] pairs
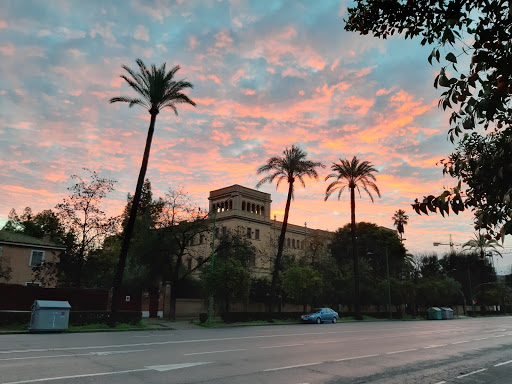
{"points": [[303, 285], [79, 318], [478, 94], [229, 280], [234, 317]]}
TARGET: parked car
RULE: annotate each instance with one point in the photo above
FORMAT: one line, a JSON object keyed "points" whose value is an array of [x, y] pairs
{"points": [[319, 315]]}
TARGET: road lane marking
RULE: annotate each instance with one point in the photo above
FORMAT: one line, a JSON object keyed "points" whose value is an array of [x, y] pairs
{"points": [[170, 367], [76, 376], [356, 357], [281, 346], [434, 346], [460, 342], [472, 373], [405, 350], [500, 364], [441, 382], [331, 341], [159, 368], [205, 353], [103, 353], [293, 366]]}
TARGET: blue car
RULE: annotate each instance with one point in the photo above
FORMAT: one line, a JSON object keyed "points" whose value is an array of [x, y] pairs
{"points": [[319, 315]]}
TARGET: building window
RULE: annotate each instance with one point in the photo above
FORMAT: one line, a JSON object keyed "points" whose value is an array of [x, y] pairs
{"points": [[257, 234], [293, 243], [217, 232], [258, 209], [262, 211], [287, 242], [230, 204], [248, 207], [201, 238], [249, 233], [252, 261], [243, 205], [253, 209], [36, 258]]}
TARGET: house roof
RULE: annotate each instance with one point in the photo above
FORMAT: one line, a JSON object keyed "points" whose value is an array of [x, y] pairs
{"points": [[12, 238]]}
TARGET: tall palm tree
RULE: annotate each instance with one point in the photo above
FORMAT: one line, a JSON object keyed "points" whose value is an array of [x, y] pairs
{"points": [[353, 174], [400, 219], [157, 89], [291, 167], [482, 244]]}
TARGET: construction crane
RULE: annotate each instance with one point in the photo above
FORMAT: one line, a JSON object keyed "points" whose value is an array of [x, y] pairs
{"points": [[451, 244]]}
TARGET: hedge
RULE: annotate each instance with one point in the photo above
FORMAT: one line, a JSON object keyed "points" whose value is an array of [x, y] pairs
{"points": [[234, 317]]}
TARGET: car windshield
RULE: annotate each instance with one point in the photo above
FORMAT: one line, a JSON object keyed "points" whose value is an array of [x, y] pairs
{"points": [[316, 310]]}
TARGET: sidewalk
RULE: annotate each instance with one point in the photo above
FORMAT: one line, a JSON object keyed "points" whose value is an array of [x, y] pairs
{"points": [[179, 325]]}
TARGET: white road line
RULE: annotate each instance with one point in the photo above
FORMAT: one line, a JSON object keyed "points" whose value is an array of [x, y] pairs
{"points": [[460, 342], [292, 366], [506, 362], [205, 353], [356, 357], [434, 346], [281, 346], [103, 353], [331, 341], [76, 376], [441, 382], [405, 350], [471, 373], [160, 368], [482, 338]]}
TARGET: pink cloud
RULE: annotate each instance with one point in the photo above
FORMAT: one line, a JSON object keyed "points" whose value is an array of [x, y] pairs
{"points": [[7, 49]]}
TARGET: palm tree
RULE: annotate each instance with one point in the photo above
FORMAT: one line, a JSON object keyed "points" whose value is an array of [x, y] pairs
{"points": [[482, 244], [157, 89], [400, 219], [353, 174], [291, 167]]}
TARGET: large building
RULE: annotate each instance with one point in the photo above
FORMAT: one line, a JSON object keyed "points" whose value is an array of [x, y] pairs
{"points": [[247, 211]]}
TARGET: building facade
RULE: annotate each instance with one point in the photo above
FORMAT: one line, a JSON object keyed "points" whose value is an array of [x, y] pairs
{"points": [[246, 211], [21, 253]]}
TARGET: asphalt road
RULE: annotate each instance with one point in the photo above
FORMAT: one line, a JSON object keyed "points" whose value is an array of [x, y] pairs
{"points": [[443, 351]]}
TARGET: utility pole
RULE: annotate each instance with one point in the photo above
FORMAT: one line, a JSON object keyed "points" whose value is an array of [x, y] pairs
{"points": [[212, 259]]}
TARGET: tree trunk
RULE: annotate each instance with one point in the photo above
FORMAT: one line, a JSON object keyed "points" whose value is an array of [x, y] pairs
{"points": [[357, 304], [118, 277], [277, 264], [172, 308]]}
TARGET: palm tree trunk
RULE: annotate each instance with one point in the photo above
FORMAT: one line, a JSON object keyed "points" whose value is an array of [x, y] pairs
{"points": [[277, 264], [118, 277], [357, 304]]}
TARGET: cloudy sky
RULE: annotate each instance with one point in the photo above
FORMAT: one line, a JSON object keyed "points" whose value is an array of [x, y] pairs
{"points": [[266, 75]]}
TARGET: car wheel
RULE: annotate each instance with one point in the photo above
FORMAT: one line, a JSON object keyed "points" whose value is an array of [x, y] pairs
{"points": [[334, 320], [318, 320]]}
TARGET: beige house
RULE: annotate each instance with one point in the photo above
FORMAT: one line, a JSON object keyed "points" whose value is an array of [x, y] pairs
{"points": [[247, 211], [20, 253]]}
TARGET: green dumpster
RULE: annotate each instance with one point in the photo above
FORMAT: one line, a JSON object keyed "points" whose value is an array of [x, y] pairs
{"points": [[434, 313]]}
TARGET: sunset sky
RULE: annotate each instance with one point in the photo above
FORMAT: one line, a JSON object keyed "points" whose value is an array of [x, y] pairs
{"points": [[266, 75]]}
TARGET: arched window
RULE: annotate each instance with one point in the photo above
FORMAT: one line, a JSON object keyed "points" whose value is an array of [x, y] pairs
{"points": [[293, 243], [258, 209], [243, 205], [262, 210], [230, 204], [248, 207], [226, 205], [287, 242], [253, 208]]}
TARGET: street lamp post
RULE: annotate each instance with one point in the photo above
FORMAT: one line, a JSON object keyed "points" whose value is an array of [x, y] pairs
{"points": [[389, 285], [212, 258]]}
